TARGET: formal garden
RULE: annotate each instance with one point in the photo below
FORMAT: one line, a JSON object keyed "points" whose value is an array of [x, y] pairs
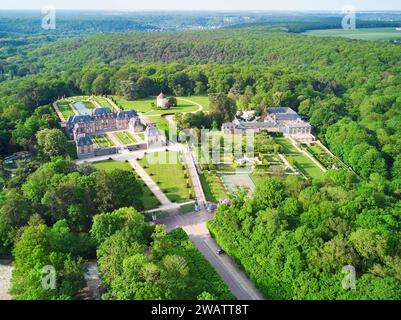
{"points": [[125, 137], [103, 141]]}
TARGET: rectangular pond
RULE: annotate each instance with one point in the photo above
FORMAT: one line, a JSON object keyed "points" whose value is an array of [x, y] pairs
{"points": [[81, 107]]}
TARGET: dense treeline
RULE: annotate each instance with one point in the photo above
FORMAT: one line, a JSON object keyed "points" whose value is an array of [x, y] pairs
{"points": [[293, 238], [140, 262], [61, 190]]}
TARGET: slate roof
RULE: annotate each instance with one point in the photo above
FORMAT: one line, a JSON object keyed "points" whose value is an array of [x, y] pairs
{"points": [[152, 131], [77, 119], [84, 141], [126, 114], [101, 111]]}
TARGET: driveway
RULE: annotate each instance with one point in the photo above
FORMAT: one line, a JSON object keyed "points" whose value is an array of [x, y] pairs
{"points": [[194, 224]]}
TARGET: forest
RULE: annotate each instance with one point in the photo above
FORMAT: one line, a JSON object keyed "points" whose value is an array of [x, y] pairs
{"points": [[292, 237]]}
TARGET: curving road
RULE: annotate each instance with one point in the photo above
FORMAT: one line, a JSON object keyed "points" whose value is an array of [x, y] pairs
{"points": [[194, 224]]}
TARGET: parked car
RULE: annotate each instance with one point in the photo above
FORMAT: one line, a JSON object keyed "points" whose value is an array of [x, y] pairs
{"points": [[220, 251]]}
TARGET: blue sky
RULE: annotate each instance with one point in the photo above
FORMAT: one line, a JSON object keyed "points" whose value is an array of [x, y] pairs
{"points": [[203, 4]]}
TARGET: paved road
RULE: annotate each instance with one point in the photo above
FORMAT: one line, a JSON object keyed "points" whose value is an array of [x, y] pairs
{"points": [[194, 224]]}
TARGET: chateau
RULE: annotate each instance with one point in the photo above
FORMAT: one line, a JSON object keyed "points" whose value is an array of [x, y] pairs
{"points": [[284, 120], [101, 120], [82, 128]]}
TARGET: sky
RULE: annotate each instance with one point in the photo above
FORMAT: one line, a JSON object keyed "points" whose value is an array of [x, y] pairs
{"points": [[140, 5]]}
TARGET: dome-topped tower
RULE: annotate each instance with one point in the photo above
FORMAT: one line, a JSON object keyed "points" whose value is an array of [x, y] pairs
{"points": [[162, 101]]}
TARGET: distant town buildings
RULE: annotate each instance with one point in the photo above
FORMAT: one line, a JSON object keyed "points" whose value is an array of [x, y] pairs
{"points": [[284, 120]]}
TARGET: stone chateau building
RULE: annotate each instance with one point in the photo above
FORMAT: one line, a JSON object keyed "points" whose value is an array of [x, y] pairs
{"points": [[284, 120]]}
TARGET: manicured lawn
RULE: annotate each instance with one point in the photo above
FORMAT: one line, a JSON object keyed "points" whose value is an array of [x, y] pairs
{"points": [[103, 102], [359, 33], [258, 178], [110, 165], [212, 186], [287, 145], [160, 122], [65, 109], [169, 175], [148, 106], [202, 100], [148, 199], [102, 141], [89, 104], [125, 137], [307, 166]]}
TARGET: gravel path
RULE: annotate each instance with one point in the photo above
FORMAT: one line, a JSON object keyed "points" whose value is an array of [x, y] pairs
{"points": [[5, 279]]}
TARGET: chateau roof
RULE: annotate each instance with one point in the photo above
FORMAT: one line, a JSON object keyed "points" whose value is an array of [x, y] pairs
{"points": [[152, 131], [101, 111], [79, 118], [283, 113], [84, 141], [126, 114]]}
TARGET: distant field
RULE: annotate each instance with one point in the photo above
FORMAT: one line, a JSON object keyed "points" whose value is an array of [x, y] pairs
{"points": [[359, 34], [103, 141]]}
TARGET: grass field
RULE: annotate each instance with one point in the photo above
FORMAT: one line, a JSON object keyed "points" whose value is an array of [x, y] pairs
{"points": [[169, 176], [103, 102], [372, 34], [148, 105], [125, 137], [307, 166], [65, 109], [102, 141], [148, 199], [287, 145], [212, 186]]}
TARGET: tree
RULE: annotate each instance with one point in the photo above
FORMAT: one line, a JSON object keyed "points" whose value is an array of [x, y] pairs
{"points": [[34, 251], [221, 108], [116, 189], [52, 142]]}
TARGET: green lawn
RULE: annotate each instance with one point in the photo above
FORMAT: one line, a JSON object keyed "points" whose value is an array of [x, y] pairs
{"points": [[103, 102], [359, 33], [212, 186], [202, 100], [258, 178], [125, 137], [148, 105], [65, 109], [148, 199], [287, 145], [102, 141], [307, 166], [169, 176]]}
